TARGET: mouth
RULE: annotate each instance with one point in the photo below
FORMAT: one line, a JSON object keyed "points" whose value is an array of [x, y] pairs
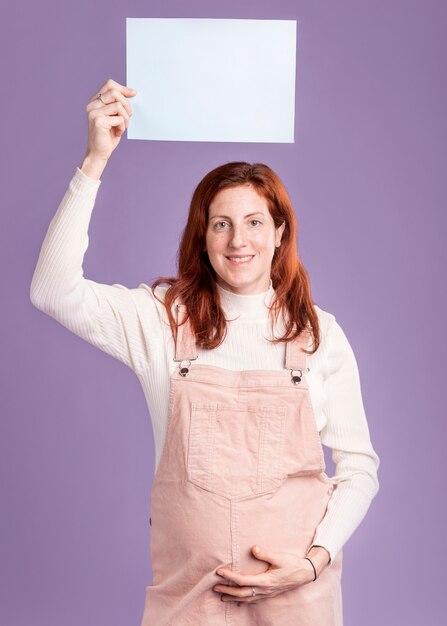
{"points": [[240, 260]]}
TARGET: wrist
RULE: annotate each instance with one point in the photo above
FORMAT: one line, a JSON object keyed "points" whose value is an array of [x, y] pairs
{"points": [[320, 557], [93, 166]]}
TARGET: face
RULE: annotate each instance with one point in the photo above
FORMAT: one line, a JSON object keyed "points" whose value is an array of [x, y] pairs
{"points": [[240, 240]]}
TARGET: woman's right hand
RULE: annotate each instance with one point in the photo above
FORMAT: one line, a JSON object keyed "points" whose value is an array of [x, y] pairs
{"points": [[107, 120]]}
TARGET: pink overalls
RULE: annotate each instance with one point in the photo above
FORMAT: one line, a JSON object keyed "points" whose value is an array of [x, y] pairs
{"points": [[242, 463]]}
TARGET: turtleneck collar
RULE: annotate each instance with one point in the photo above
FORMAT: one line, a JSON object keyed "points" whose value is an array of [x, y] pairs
{"points": [[246, 307]]}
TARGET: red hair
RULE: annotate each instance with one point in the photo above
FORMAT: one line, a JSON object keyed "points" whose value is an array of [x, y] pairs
{"points": [[195, 285]]}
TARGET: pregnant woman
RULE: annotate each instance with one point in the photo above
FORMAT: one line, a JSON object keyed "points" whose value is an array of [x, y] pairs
{"points": [[245, 380]]}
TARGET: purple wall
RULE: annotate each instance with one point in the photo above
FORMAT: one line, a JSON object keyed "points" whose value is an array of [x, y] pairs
{"points": [[364, 175]]}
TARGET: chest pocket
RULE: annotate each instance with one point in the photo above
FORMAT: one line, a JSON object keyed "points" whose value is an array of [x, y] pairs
{"points": [[236, 451]]}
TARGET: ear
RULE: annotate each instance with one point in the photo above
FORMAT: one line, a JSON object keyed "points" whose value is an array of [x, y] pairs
{"points": [[279, 232]]}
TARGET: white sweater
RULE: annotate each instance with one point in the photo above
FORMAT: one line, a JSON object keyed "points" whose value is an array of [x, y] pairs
{"points": [[130, 325]]}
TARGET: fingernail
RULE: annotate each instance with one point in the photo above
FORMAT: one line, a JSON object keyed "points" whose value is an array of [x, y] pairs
{"points": [[220, 572]]}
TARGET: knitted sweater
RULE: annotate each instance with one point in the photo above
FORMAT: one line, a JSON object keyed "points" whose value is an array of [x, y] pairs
{"points": [[132, 326]]}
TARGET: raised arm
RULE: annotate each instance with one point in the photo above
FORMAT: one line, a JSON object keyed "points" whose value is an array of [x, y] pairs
{"points": [[121, 321]]}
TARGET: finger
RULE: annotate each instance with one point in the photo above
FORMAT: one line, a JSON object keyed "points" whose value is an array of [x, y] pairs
{"points": [[249, 599], [269, 556], [118, 109], [109, 97], [102, 98], [112, 84], [122, 98], [111, 110], [113, 121], [239, 592], [254, 580], [118, 122]]}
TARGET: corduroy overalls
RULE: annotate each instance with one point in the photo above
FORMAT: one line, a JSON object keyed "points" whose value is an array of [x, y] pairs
{"points": [[242, 464]]}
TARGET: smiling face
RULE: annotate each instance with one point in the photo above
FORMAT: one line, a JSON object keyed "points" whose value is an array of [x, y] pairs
{"points": [[240, 240]]}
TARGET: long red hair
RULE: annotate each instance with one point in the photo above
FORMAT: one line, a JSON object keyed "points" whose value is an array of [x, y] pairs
{"points": [[195, 285]]}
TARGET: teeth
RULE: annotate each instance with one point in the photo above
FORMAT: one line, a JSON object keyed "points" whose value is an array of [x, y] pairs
{"points": [[240, 260]]}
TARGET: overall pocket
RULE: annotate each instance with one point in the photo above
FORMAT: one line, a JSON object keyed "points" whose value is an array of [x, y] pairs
{"points": [[236, 451]]}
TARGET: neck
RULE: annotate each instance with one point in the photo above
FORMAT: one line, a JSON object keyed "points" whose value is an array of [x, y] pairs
{"points": [[247, 307]]}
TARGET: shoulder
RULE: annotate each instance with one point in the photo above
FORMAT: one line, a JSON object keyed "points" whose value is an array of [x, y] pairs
{"points": [[326, 320], [333, 338], [159, 291], [335, 345], [151, 300]]}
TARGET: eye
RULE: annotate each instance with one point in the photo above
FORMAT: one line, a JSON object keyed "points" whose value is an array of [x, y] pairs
{"points": [[257, 222], [219, 225]]}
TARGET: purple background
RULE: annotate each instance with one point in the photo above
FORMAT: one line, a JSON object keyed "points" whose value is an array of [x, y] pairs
{"points": [[364, 175]]}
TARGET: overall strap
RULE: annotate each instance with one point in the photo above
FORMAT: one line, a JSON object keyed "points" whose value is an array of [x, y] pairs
{"points": [[185, 346], [295, 357]]}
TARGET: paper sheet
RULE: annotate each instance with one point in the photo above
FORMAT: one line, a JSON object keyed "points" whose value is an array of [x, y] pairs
{"points": [[211, 79]]}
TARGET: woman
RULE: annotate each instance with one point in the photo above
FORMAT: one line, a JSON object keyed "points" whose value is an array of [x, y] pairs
{"points": [[245, 379]]}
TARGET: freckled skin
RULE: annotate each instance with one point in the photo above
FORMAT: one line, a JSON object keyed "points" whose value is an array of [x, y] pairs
{"points": [[240, 224]]}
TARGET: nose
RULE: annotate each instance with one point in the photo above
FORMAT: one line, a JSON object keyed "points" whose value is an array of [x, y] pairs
{"points": [[238, 237]]}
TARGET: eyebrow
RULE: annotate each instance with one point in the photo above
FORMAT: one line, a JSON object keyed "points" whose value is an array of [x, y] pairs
{"points": [[229, 218]]}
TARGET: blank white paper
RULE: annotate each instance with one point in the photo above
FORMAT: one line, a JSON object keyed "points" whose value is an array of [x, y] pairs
{"points": [[211, 79]]}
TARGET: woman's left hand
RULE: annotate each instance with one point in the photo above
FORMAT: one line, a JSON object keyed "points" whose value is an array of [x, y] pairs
{"points": [[286, 571]]}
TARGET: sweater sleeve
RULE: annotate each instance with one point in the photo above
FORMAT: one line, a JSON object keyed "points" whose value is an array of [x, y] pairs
{"points": [[123, 322], [347, 434]]}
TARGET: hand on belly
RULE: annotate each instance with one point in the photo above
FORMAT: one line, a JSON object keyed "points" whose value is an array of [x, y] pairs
{"points": [[286, 571]]}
